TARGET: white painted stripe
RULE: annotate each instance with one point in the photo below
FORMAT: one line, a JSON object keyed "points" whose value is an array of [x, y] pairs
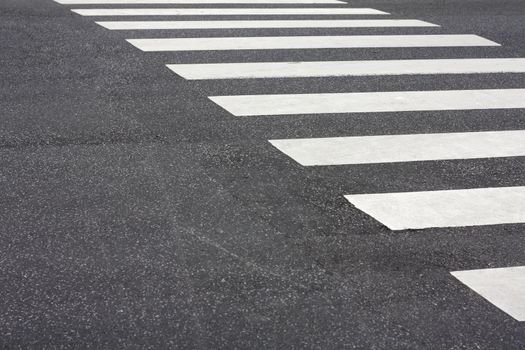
{"points": [[308, 42], [348, 23], [226, 11], [112, 2], [453, 208], [403, 148], [503, 287], [367, 102], [347, 68]]}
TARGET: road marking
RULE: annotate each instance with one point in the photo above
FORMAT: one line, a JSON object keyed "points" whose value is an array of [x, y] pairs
{"points": [[225, 11], [367, 102], [348, 23], [452, 208], [403, 148], [308, 42], [503, 287], [347, 68], [112, 2]]}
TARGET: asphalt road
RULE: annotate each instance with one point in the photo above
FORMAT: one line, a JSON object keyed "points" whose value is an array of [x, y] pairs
{"points": [[136, 213]]}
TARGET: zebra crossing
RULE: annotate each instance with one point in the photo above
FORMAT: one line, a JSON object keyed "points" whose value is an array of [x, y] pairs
{"points": [[398, 210]]}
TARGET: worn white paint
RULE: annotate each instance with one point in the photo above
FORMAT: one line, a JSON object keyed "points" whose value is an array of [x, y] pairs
{"points": [[503, 287]]}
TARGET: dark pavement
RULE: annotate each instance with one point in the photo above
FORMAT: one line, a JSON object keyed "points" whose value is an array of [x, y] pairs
{"points": [[137, 214]]}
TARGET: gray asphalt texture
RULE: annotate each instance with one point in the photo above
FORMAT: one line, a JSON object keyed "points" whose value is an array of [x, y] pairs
{"points": [[137, 214]]}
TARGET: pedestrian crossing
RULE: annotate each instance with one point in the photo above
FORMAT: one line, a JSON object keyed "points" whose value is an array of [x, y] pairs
{"points": [[396, 210]]}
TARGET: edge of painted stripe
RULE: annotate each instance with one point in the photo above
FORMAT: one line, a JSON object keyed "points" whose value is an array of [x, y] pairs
{"points": [[193, 2], [266, 24], [480, 281], [384, 207], [402, 148], [135, 12]]}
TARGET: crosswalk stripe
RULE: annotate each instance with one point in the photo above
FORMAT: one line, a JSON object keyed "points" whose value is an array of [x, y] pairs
{"points": [[403, 148], [308, 42], [113, 2], [367, 102], [450, 208], [503, 287], [348, 23], [225, 11], [346, 68]]}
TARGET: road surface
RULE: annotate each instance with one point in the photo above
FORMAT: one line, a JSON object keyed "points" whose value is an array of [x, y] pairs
{"points": [[270, 174]]}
